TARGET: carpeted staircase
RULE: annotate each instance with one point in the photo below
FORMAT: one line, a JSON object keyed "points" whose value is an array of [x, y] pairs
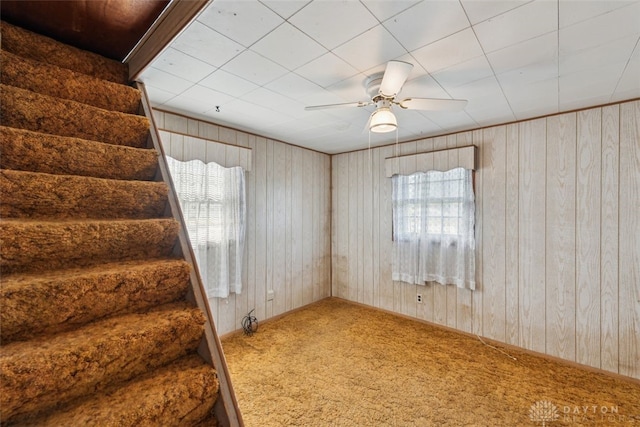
{"points": [[95, 322]]}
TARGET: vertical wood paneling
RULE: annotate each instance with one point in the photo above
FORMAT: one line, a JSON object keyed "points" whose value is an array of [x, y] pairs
{"points": [[367, 227], [512, 327], [335, 208], [288, 240], [609, 238], [464, 301], [560, 232], [385, 241], [545, 195], [532, 234], [477, 296], [588, 176], [629, 262], [341, 266], [359, 199], [262, 250], [298, 190], [375, 224], [278, 246], [307, 228], [493, 231], [277, 188]]}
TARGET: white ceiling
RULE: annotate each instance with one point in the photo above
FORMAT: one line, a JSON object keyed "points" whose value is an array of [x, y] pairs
{"points": [[262, 62]]}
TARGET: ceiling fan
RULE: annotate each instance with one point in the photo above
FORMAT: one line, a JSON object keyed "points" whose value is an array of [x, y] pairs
{"points": [[382, 88]]}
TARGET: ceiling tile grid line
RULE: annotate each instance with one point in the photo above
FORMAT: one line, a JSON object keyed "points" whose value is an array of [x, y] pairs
{"points": [[254, 65]]}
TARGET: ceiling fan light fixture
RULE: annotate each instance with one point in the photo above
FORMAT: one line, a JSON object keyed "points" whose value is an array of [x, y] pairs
{"points": [[383, 120]]}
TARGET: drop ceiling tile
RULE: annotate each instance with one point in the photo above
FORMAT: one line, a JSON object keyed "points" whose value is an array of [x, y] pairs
{"points": [[539, 49], [288, 46], [427, 22], [326, 70], [255, 68], [351, 89], [451, 50], [523, 23], [446, 120], [628, 86], [422, 87], [385, 9], [332, 23], [484, 93], [158, 96], [174, 62], [228, 83], [285, 8], [590, 83], [154, 77], [481, 10], [370, 49], [530, 99], [200, 41], [265, 98], [618, 24], [206, 96], [613, 52], [242, 21], [321, 97], [293, 86], [466, 72], [572, 12], [532, 73]]}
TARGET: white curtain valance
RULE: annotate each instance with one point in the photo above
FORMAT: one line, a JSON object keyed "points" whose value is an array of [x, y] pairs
{"points": [[441, 160]]}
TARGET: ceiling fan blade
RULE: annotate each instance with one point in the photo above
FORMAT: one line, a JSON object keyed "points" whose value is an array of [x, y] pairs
{"points": [[433, 104], [394, 77], [346, 104]]}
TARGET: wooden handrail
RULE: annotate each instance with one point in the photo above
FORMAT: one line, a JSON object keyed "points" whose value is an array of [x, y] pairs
{"points": [[227, 410]]}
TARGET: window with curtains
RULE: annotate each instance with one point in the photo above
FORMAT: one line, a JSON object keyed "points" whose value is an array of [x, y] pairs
{"points": [[212, 199], [433, 227]]}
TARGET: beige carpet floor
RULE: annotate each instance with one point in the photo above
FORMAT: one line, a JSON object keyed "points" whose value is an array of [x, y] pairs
{"points": [[335, 363]]}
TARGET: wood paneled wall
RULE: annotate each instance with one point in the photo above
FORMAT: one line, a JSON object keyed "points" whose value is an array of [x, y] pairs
{"points": [[287, 246], [558, 237]]}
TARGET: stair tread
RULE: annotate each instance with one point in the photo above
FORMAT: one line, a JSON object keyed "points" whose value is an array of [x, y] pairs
{"points": [[24, 109], [34, 304], [36, 245], [36, 46], [63, 83], [179, 394], [38, 375], [41, 152], [43, 195]]}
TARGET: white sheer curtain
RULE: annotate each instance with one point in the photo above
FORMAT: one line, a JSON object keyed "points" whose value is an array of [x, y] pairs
{"points": [[433, 227], [212, 199]]}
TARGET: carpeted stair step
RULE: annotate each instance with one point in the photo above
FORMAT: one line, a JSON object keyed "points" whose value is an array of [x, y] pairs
{"points": [[41, 195], [24, 109], [180, 394], [66, 84], [51, 245], [44, 49], [37, 376], [40, 152], [53, 302]]}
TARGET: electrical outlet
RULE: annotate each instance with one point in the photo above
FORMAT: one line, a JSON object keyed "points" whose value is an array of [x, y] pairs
{"points": [[270, 294], [419, 298]]}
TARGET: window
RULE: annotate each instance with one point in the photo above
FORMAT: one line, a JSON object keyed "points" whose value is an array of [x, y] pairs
{"points": [[213, 205], [433, 224]]}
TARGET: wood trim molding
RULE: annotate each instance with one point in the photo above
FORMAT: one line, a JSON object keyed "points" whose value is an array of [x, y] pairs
{"points": [[227, 409], [176, 16], [442, 160]]}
